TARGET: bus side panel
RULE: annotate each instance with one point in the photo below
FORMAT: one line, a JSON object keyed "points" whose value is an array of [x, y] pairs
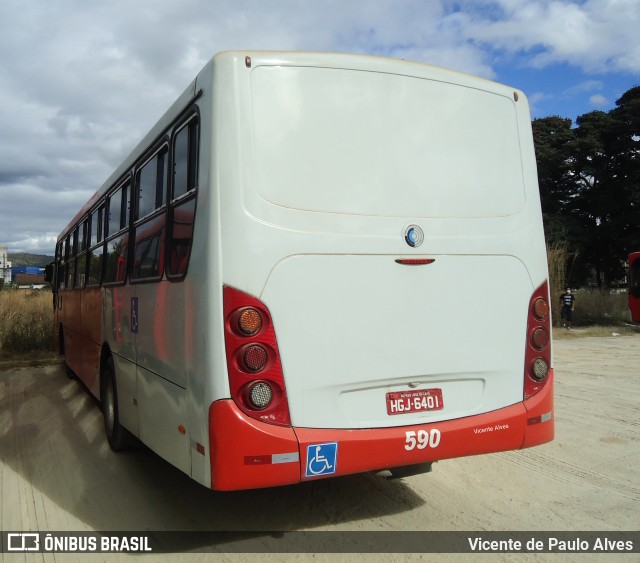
{"points": [[127, 382], [117, 321], [91, 308], [121, 341], [163, 338], [163, 423], [72, 330]]}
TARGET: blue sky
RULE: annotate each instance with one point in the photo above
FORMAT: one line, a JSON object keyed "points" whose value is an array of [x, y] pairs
{"points": [[81, 82], [567, 91]]}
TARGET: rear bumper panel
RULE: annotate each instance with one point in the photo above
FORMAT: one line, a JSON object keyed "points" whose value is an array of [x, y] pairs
{"points": [[247, 454]]}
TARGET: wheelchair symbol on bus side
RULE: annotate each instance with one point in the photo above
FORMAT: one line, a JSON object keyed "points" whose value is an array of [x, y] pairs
{"points": [[134, 315], [321, 459]]}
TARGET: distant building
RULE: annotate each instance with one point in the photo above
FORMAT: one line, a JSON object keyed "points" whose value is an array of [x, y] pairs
{"points": [[5, 265], [29, 281], [28, 270]]}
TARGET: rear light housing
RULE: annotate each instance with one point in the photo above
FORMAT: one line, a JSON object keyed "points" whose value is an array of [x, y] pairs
{"points": [[253, 361], [538, 345]]}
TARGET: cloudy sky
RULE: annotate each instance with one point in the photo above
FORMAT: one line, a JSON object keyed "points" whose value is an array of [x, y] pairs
{"points": [[81, 82]]}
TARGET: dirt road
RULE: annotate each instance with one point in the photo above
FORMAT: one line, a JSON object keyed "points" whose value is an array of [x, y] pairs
{"points": [[57, 472]]}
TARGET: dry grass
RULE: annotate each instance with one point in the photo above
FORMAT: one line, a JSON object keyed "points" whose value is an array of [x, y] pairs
{"points": [[26, 323]]}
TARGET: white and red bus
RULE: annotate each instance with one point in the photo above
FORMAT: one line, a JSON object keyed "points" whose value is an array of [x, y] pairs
{"points": [[634, 286], [316, 265]]}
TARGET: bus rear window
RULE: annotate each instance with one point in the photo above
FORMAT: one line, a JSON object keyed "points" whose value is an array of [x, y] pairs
{"points": [[368, 143]]}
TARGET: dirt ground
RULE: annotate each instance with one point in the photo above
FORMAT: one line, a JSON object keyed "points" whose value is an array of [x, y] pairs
{"points": [[57, 472]]}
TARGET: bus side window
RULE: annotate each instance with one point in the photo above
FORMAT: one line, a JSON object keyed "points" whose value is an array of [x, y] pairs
{"points": [[71, 250], [185, 152], [59, 274], [148, 254], [151, 181], [183, 202], [95, 258], [116, 260], [150, 216], [96, 250], [81, 261], [181, 237]]}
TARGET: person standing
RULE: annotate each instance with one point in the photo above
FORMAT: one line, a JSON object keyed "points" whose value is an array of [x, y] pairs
{"points": [[568, 305]]}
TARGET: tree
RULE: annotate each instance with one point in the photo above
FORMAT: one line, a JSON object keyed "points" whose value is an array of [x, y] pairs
{"points": [[554, 141], [590, 184]]}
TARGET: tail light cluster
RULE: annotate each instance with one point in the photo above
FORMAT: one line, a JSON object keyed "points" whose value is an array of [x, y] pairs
{"points": [[538, 348], [253, 361]]}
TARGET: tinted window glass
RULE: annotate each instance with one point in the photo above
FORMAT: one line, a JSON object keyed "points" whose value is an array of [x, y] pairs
{"points": [[81, 263], [115, 211], [60, 265], [96, 227], [147, 185], [185, 150], [152, 182], [95, 266], [124, 215], [148, 255], [181, 237], [181, 161], [83, 235], [119, 209], [116, 260]]}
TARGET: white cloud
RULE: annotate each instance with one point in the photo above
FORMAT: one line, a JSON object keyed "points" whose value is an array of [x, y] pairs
{"points": [[598, 100], [597, 35], [35, 243], [585, 86]]}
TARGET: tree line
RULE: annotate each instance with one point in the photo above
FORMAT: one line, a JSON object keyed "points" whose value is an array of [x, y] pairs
{"points": [[589, 177]]}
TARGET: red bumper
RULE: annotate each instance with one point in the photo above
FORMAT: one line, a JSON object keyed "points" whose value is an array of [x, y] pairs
{"points": [[248, 454]]}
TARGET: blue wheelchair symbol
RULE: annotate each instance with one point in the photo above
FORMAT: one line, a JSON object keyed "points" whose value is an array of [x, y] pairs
{"points": [[321, 459]]}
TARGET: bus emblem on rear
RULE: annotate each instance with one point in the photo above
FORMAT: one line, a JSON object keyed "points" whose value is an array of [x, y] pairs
{"points": [[413, 235]]}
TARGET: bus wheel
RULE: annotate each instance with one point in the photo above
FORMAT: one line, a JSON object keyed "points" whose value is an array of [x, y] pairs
{"points": [[117, 436]]}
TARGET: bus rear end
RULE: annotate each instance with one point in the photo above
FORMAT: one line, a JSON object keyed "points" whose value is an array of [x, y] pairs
{"points": [[385, 295]]}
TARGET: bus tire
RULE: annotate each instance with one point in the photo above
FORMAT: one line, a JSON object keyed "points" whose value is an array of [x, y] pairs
{"points": [[118, 436]]}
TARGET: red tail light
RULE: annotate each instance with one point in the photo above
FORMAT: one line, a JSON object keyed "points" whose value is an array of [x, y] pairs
{"points": [[253, 361], [538, 345]]}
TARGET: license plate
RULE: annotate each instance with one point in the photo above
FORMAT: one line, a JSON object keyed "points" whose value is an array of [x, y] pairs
{"points": [[420, 400]]}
